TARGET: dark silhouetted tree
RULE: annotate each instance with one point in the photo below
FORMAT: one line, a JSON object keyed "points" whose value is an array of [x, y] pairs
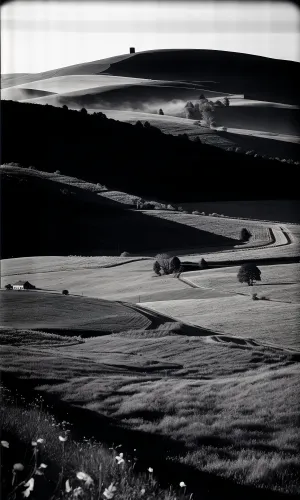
{"points": [[203, 264], [157, 268], [65, 292], [8, 287], [245, 235], [202, 97], [161, 112], [65, 107], [226, 101], [147, 125], [139, 124], [248, 273], [174, 265], [83, 111]]}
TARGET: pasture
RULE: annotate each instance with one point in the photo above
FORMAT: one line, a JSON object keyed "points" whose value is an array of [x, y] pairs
{"points": [[231, 403]]}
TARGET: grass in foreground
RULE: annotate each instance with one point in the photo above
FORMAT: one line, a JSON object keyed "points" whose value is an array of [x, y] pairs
{"points": [[234, 405], [40, 459]]}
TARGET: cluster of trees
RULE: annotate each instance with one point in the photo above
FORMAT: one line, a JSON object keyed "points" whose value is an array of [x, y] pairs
{"points": [[165, 264], [204, 109]]}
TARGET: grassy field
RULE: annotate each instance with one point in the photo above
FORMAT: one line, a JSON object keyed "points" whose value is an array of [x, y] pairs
{"points": [[265, 210], [217, 225], [121, 279], [234, 405], [33, 309]]}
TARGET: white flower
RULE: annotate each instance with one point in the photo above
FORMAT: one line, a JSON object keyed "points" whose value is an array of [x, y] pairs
{"points": [[143, 491], [120, 459], [5, 444], [182, 484], [78, 492], [150, 470], [110, 491], [68, 487], [29, 487], [18, 467], [38, 472], [85, 477], [33, 443], [63, 439], [43, 466], [40, 440]]}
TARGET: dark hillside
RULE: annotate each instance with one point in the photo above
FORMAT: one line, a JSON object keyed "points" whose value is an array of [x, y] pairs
{"points": [[41, 217], [134, 159]]}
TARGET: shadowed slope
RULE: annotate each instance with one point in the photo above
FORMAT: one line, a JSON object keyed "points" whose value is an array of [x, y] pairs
{"points": [[69, 220]]}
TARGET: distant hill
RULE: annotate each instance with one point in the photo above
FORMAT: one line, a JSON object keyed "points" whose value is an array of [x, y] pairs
{"points": [[258, 77]]}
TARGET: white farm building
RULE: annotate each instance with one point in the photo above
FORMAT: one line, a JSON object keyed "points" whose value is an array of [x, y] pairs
{"points": [[23, 285]]}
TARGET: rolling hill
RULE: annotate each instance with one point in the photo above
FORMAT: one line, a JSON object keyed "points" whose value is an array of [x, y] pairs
{"points": [[147, 81]]}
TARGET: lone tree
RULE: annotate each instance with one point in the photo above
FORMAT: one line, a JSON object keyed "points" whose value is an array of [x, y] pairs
{"points": [[65, 292], [245, 234], [8, 287], [168, 264], [203, 264], [161, 112], [157, 268], [248, 273], [175, 265]]}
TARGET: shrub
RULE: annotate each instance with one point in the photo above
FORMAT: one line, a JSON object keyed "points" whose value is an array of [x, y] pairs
{"points": [[65, 292], [157, 268], [168, 264], [254, 296], [203, 264], [125, 254], [248, 273], [57, 172], [245, 235], [161, 112], [174, 265], [170, 207], [196, 212], [8, 287]]}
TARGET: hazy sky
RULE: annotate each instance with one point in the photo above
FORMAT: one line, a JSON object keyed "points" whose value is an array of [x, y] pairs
{"points": [[41, 35]]}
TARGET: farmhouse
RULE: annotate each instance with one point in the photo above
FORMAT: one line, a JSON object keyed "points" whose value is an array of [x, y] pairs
{"points": [[23, 285]]}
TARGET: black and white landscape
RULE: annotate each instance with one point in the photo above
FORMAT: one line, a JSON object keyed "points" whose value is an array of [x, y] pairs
{"points": [[150, 232]]}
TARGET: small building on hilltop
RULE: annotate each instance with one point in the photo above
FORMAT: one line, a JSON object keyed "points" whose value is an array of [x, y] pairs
{"points": [[23, 285], [131, 50]]}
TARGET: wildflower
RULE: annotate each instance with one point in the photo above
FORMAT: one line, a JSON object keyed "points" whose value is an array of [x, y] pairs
{"points": [[18, 467], [29, 487], [143, 491], [120, 459], [182, 484], [43, 466], [67, 486], [5, 444], [62, 439], [78, 492], [40, 440], [150, 470], [33, 443], [110, 491], [85, 477]]}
